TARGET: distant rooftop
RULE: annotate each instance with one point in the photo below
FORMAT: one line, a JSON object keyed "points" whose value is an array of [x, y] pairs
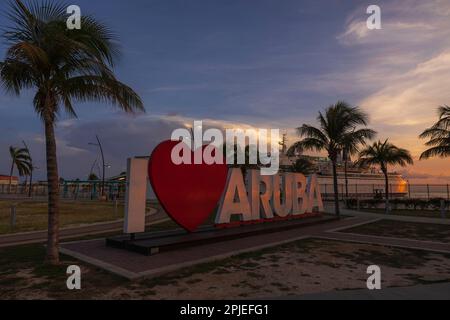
{"points": [[5, 177]]}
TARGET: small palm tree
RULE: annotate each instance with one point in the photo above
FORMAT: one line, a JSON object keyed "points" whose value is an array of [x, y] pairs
{"points": [[21, 160], [303, 166], [439, 136], [32, 167], [337, 125], [351, 143], [92, 177], [383, 154], [62, 66]]}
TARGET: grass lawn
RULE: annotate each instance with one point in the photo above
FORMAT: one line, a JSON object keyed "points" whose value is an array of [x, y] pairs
{"points": [[32, 215], [410, 212], [305, 266], [404, 229]]}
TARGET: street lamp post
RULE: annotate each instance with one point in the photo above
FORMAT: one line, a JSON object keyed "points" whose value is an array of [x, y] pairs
{"points": [[103, 162], [92, 167]]}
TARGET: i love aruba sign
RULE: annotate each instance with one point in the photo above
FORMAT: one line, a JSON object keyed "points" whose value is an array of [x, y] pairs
{"points": [[190, 193]]}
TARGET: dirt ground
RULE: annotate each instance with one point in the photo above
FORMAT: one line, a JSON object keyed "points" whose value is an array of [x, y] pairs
{"points": [[306, 266], [32, 215], [404, 229]]}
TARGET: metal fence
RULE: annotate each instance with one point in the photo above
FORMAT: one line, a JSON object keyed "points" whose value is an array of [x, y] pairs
{"points": [[116, 190], [73, 190], [373, 191]]}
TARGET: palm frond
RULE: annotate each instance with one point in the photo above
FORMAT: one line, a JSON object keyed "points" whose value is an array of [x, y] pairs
{"points": [[63, 65], [102, 89], [384, 154], [21, 160], [439, 151], [352, 140], [338, 131], [311, 132], [311, 144], [438, 136], [434, 132]]}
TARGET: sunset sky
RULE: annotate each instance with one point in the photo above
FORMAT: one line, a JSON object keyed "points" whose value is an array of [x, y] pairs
{"points": [[260, 63]]}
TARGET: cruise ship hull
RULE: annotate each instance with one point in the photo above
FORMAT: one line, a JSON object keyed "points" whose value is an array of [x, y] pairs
{"points": [[363, 185]]}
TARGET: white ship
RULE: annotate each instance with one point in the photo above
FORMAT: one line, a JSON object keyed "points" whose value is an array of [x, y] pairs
{"points": [[361, 182]]}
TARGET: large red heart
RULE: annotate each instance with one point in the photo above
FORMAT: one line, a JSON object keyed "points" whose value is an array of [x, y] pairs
{"points": [[188, 192]]}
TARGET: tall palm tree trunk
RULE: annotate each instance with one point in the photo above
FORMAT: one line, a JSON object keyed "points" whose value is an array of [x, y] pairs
{"points": [[25, 184], [386, 187], [346, 180], [53, 194], [336, 191], [31, 183], [10, 176]]}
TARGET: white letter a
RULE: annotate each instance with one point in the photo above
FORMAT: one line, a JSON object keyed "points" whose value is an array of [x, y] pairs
{"points": [[374, 21]]}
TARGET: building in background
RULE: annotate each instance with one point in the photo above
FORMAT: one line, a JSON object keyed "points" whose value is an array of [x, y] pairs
{"points": [[362, 182], [4, 180]]}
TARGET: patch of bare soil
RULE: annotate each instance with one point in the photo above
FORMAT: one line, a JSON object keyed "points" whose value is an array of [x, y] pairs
{"points": [[404, 229], [306, 266]]}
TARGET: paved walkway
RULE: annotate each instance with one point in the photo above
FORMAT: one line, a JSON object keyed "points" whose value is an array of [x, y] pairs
{"points": [[14, 239], [132, 265], [438, 291]]}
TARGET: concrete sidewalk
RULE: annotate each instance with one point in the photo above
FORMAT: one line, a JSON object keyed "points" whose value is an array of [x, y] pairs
{"points": [[133, 266], [155, 216], [438, 291]]}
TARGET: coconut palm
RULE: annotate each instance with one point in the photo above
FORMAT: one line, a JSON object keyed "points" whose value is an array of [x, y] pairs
{"points": [[32, 167], [383, 154], [227, 149], [62, 66], [303, 165], [351, 143], [439, 136], [92, 177], [21, 160], [336, 126]]}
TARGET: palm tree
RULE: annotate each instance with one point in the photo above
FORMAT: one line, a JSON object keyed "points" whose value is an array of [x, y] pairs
{"points": [[303, 166], [226, 150], [439, 135], [61, 66], [32, 167], [351, 143], [21, 160], [383, 154], [337, 124], [92, 177]]}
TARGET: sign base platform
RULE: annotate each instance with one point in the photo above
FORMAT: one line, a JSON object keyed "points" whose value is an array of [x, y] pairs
{"points": [[150, 243]]}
